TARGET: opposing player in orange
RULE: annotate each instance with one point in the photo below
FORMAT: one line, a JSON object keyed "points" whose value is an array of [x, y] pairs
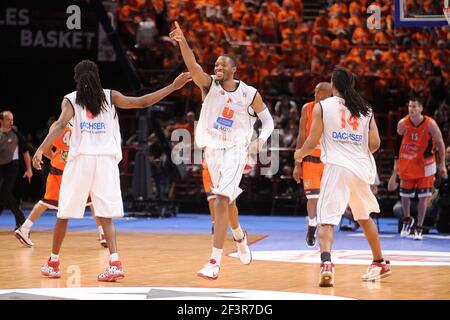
{"points": [[415, 163], [51, 198], [311, 169]]}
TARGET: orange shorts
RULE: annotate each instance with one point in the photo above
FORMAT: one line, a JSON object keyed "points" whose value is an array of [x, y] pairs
{"points": [[423, 185], [312, 170], [52, 187], [207, 182]]}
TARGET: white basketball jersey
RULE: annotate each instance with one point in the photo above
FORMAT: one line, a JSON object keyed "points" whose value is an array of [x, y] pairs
{"points": [[345, 139], [98, 135], [225, 118]]}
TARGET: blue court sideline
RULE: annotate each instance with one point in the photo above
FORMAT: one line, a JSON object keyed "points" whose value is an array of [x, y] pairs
{"points": [[283, 233]]}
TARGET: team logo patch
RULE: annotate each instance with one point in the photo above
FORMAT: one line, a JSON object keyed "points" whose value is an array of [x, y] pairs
{"points": [[226, 118], [64, 155]]}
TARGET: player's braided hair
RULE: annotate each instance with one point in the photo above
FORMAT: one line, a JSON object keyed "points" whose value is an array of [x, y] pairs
{"points": [[344, 82], [90, 93]]}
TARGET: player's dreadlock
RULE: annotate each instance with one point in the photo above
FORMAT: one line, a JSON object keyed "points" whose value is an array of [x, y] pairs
{"points": [[90, 93], [344, 82]]}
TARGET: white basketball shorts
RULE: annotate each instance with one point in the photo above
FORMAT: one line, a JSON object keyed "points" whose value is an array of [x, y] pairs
{"points": [[341, 187], [94, 175], [226, 167]]}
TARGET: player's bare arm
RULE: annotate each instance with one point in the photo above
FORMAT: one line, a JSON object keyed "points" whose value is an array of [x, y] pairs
{"points": [[267, 124], [201, 79], [300, 141], [314, 135], [55, 131], [436, 135], [125, 102], [401, 127], [374, 136]]}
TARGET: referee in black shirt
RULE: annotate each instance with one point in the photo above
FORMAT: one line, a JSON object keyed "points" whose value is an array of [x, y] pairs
{"points": [[11, 143]]}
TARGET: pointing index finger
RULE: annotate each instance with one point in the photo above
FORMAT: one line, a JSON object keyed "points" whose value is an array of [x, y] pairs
{"points": [[177, 25]]}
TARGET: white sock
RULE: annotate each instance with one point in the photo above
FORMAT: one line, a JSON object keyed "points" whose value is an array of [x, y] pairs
{"points": [[238, 234], [27, 225], [312, 222], [114, 257], [100, 230], [54, 257], [216, 254]]}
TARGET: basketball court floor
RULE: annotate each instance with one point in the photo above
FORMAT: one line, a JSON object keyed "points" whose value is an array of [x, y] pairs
{"points": [[162, 255]]}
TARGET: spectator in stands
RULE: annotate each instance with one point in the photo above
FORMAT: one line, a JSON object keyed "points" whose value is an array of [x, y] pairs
{"points": [[249, 21], [239, 9], [338, 22], [286, 14], [267, 25], [274, 7], [321, 21]]}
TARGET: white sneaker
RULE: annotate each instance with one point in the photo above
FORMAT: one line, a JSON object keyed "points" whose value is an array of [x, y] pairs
{"points": [[244, 253], [406, 229], [102, 240], [23, 237], [210, 271], [377, 271], [418, 235]]}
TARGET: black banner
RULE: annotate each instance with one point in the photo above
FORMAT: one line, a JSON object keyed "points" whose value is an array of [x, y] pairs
{"points": [[62, 30]]}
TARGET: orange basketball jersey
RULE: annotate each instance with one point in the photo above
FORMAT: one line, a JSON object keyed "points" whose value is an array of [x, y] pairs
{"points": [[416, 156], [309, 112], [62, 149]]}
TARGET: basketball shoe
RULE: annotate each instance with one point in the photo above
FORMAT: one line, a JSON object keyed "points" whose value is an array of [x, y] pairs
{"points": [[418, 233], [311, 237], [244, 253], [102, 240], [377, 270], [407, 226], [326, 274], [51, 269], [210, 271], [23, 237], [112, 272]]}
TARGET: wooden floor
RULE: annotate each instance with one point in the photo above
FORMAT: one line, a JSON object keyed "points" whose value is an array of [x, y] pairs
{"points": [[172, 260]]}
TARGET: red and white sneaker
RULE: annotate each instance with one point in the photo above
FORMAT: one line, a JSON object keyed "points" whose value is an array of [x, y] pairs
{"points": [[112, 272], [326, 274], [377, 270], [210, 271], [102, 240], [244, 253], [51, 269]]}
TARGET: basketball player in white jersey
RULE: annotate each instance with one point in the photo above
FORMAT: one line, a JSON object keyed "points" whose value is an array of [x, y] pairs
{"points": [[225, 129], [94, 153], [348, 135]]}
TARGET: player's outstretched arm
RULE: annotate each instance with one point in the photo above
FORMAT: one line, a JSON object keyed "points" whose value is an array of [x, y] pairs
{"points": [[201, 79], [150, 99], [314, 135], [55, 131]]}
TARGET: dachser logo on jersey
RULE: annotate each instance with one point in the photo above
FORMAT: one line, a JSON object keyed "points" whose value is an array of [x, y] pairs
{"points": [[346, 137], [92, 127]]}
